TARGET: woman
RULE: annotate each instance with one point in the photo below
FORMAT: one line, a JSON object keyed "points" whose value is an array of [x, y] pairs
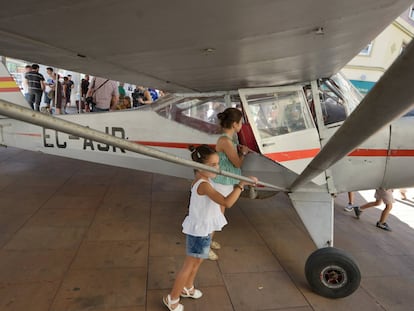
{"points": [[231, 156]]}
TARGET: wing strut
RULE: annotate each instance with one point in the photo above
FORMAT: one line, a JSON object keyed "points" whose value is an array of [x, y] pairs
{"points": [[27, 115], [390, 98]]}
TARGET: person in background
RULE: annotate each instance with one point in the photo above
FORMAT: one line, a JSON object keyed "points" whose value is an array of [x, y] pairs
{"points": [[104, 93], [121, 90], [122, 93], [27, 69], [350, 206], [66, 87], [403, 193], [36, 86], [84, 91], [150, 96], [204, 217], [70, 86], [57, 100], [138, 96], [125, 104], [48, 87], [381, 195]]}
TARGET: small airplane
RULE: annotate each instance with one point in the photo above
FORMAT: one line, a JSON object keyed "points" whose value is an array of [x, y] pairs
{"points": [[312, 134]]}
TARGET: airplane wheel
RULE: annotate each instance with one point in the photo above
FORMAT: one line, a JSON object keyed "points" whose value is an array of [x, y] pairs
{"points": [[332, 273]]}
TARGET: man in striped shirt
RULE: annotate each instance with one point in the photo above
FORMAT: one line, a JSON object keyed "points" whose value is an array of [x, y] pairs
{"points": [[36, 86]]}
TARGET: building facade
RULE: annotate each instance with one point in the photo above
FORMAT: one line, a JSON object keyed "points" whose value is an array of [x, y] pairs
{"points": [[368, 66]]}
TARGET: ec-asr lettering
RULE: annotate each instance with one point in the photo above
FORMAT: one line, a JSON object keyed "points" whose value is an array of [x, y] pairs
{"points": [[53, 138]]}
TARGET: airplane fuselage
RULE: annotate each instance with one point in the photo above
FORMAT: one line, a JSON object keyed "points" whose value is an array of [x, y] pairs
{"points": [[283, 147]]}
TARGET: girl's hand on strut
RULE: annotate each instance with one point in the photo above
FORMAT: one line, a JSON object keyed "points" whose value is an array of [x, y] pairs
{"points": [[243, 149], [245, 183]]}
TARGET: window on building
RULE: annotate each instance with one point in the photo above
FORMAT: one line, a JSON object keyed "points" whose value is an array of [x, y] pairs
{"points": [[411, 12], [366, 51]]}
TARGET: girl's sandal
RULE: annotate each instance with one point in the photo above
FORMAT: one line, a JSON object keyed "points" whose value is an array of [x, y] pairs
{"points": [[196, 293], [169, 303], [215, 245]]}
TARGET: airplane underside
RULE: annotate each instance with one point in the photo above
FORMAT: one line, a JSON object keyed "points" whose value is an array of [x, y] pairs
{"points": [[313, 139]]}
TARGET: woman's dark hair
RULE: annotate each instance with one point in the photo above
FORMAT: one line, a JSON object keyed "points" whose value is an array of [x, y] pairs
{"points": [[228, 117], [201, 153]]}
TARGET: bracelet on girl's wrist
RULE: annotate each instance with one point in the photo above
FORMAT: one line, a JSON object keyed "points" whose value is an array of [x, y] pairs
{"points": [[239, 186]]}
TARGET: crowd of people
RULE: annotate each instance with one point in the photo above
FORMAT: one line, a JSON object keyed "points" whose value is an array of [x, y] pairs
{"points": [[96, 94]]}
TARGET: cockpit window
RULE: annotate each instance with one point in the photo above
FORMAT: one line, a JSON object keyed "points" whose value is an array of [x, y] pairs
{"points": [[279, 113], [204, 110], [338, 98], [332, 102], [197, 112], [353, 97]]}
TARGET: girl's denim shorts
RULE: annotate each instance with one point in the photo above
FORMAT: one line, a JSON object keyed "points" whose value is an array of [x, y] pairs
{"points": [[198, 246]]}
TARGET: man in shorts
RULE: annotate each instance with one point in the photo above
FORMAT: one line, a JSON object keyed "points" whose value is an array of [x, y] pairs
{"points": [[381, 195]]}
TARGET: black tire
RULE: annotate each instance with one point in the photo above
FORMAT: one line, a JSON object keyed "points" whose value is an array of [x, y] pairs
{"points": [[332, 273]]}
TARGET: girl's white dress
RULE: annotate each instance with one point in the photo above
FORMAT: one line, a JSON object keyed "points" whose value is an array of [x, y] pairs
{"points": [[204, 215]]}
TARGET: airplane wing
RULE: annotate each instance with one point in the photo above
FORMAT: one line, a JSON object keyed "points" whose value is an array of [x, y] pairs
{"points": [[195, 45], [391, 97]]}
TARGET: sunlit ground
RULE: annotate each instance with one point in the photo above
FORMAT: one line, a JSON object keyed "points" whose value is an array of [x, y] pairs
{"points": [[403, 210]]}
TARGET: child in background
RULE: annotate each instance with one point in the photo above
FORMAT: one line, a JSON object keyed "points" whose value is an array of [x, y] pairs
{"points": [[381, 195]]}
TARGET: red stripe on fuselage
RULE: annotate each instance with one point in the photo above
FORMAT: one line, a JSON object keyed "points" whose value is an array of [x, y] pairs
{"points": [[310, 153], [29, 134], [292, 155], [369, 153], [382, 153], [402, 153]]}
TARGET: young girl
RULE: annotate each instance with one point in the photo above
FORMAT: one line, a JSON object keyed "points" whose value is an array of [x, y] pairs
{"points": [[231, 157], [204, 217]]}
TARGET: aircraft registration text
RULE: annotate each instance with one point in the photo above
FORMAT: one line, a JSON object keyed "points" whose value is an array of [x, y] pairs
{"points": [[56, 139]]}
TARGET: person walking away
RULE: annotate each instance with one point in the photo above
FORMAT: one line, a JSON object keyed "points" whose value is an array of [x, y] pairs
{"points": [[381, 195], [203, 219], [36, 86]]}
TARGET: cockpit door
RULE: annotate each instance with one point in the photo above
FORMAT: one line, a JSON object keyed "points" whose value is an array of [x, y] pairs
{"points": [[282, 125]]}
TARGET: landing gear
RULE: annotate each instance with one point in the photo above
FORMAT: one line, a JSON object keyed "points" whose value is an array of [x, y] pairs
{"points": [[332, 273]]}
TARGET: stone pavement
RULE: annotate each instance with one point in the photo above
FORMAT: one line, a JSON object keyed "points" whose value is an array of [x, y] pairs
{"points": [[83, 236]]}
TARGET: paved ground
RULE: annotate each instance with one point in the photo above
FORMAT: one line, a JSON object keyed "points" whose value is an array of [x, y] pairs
{"points": [[82, 236]]}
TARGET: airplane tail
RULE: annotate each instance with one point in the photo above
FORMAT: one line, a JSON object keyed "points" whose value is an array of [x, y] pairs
{"points": [[9, 90]]}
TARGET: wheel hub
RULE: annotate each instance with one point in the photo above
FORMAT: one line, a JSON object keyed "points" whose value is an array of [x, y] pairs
{"points": [[333, 277]]}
